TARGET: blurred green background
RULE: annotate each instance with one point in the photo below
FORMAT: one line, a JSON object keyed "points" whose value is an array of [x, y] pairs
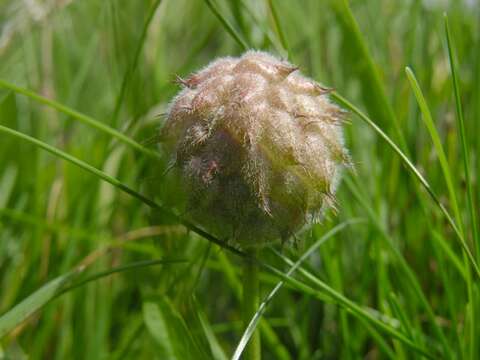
{"points": [[115, 61]]}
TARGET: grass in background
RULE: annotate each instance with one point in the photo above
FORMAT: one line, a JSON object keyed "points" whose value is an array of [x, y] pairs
{"points": [[88, 80]]}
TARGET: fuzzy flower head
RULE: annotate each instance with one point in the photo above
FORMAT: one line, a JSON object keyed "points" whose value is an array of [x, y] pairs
{"points": [[258, 148]]}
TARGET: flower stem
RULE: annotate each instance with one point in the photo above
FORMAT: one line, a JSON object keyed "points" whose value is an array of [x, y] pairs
{"points": [[251, 298]]}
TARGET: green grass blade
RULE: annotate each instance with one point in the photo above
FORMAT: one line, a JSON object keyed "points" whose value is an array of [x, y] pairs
{"points": [[58, 287], [461, 126], [269, 337], [410, 275], [270, 37], [226, 24], [80, 117], [427, 118], [239, 17], [470, 196], [171, 334], [7, 182], [119, 269], [278, 27], [383, 345], [215, 347], [343, 301], [400, 313], [136, 57], [378, 105], [344, 102], [27, 219], [454, 259], [263, 306], [118, 184], [31, 304], [132, 333], [59, 153], [158, 329]]}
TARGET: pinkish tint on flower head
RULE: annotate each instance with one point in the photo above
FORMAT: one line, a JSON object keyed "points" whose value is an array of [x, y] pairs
{"points": [[258, 147]]}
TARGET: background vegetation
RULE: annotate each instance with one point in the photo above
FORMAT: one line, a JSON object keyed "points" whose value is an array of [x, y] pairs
{"points": [[114, 278]]}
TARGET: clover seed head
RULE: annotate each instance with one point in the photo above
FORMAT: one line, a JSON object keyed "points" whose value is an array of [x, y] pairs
{"points": [[258, 147]]}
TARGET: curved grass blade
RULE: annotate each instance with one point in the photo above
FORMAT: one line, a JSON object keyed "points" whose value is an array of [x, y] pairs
{"points": [[269, 336], [215, 347], [427, 118], [124, 344], [7, 182], [463, 138], [27, 219], [409, 273], [32, 303], [118, 184], [174, 339], [377, 102], [134, 64], [470, 196], [278, 27], [270, 37], [227, 25], [400, 313], [263, 306], [119, 269], [344, 102], [450, 254], [381, 342], [57, 287], [341, 300], [80, 117]]}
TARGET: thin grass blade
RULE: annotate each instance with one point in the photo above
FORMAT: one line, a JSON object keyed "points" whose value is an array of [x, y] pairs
{"points": [[263, 306], [226, 24], [377, 101], [59, 286], [136, 57], [463, 138], [344, 102], [79, 117], [14, 317], [278, 27], [356, 310], [118, 184], [427, 118], [407, 270], [172, 336]]}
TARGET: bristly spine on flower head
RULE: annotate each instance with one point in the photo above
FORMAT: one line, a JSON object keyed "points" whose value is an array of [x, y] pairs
{"points": [[258, 147]]}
